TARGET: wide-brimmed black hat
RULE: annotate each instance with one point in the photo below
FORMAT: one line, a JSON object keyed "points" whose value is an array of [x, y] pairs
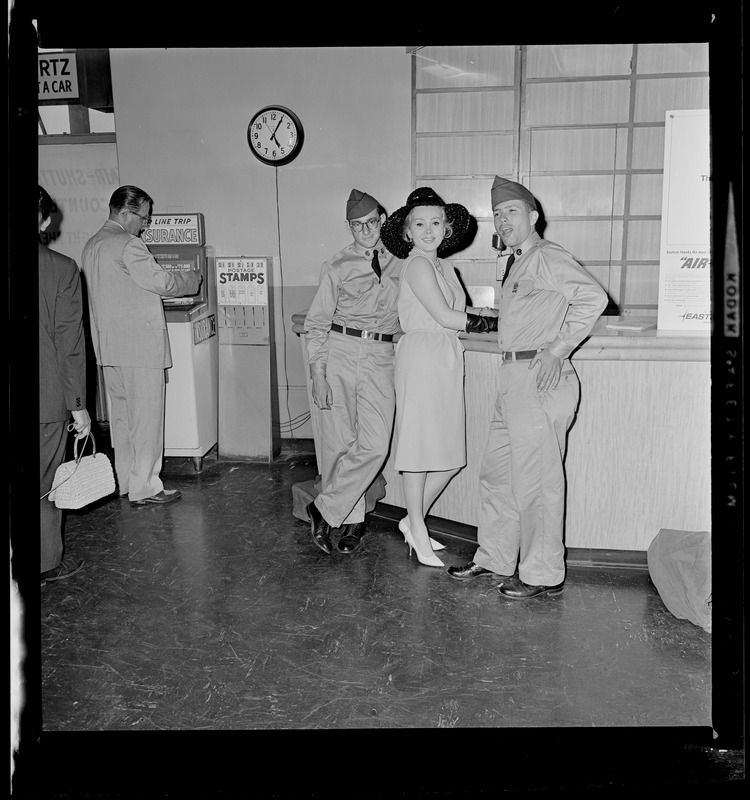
{"points": [[392, 232]]}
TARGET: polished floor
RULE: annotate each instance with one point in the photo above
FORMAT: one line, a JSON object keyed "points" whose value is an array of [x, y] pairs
{"points": [[217, 614]]}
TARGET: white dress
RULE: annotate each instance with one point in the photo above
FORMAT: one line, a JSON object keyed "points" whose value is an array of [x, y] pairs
{"points": [[430, 429]]}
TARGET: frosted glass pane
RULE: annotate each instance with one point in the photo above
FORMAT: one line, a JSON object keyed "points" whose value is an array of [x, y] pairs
{"points": [[587, 240], [653, 98], [464, 155], [56, 119], [101, 122], [465, 111], [646, 194], [453, 67], [648, 148], [574, 195], [654, 58], [580, 149], [641, 284], [643, 240], [576, 60], [474, 194], [575, 103]]}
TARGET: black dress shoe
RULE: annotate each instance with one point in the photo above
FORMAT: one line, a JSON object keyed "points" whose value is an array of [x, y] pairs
{"points": [[165, 496], [320, 529], [516, 589], [66, 568], [351, 538], [468, 571]]}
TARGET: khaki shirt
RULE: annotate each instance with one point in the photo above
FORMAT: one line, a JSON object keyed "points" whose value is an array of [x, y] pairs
{"points": [[548, 300], [350, 294]]}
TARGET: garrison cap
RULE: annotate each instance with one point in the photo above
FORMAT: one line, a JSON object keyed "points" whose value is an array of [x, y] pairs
{"points": [[359, 204], [503, 190]]}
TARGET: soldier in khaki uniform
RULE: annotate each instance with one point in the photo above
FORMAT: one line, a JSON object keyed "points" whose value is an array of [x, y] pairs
{"points": [[548, 306], [349, 331]]}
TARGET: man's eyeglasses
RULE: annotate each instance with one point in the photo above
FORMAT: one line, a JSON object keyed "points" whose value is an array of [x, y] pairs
{"points": [[370, 224], [146, 220]]}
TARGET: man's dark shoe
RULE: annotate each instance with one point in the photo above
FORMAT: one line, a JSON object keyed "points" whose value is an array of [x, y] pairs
{"points": [[66, 568], [351, 538], [165, 496], [320, 529], [468, 571], [516, 589]]}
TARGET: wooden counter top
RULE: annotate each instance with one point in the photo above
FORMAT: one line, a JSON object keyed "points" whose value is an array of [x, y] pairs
{"points": [[604, 344]]}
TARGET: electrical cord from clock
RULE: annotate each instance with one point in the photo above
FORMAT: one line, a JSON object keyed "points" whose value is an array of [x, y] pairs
{"points": [[288, 425]]}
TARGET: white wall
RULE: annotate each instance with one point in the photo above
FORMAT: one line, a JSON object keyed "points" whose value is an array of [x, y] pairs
{"points": [[181, 118]]}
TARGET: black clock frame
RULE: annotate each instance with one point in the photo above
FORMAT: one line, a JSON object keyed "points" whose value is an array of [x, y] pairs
{"points": [[277, 162]]}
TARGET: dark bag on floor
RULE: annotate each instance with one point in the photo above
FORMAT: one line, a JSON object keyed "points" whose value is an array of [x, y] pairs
{"points": [[679, 563]]}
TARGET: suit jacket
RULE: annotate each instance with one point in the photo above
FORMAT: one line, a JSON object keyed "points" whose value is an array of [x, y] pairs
{"points": [[62, 345], [125, 285]]}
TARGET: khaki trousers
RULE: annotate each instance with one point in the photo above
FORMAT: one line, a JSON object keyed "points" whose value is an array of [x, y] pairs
{"points": [[137, 396], [522, 476], [355, 432]]}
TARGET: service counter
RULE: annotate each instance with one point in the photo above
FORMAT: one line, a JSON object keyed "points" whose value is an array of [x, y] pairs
{"points": [[639, 456]]}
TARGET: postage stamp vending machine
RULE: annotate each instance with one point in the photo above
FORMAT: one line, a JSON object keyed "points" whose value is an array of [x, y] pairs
{"points": [[177, 242], [248, 415]]}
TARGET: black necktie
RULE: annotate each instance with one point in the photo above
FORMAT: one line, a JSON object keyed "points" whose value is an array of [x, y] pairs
{"points": [[376, 264], [511, 259]]}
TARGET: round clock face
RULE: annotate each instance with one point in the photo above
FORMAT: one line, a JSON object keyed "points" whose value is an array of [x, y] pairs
{"points": [[275, 135]]}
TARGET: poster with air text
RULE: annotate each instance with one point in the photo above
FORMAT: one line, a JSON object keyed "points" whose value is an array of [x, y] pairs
{"points": [[685, 256]]}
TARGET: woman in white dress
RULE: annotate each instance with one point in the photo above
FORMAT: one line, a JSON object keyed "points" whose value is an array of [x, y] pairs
{"points": [[430, 430]]}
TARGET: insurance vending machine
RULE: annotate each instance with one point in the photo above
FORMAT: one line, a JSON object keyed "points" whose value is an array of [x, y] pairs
{"points": [[177, 242], [248, 417]]}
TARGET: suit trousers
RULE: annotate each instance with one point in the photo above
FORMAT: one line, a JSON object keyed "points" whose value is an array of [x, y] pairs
{"points": [[53, 440], [137, 397], [355, 433], [522, 476]]}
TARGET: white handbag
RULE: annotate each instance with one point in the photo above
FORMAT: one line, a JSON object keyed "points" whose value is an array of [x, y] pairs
{"points": [[82, 480]]}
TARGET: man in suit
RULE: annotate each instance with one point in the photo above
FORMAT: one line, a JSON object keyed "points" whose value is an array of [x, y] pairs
{"points": [[129, 332], [62, 386]]}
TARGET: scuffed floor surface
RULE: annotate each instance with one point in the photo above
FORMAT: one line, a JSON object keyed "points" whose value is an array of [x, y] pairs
{"points": [[218, 613]]}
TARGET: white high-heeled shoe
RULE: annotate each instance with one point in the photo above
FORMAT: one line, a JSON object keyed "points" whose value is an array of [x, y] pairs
{"points": [[404, 528], [428, 561]]}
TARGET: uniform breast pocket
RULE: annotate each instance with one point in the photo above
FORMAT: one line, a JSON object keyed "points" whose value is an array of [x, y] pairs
{"points": [[523, 288]]}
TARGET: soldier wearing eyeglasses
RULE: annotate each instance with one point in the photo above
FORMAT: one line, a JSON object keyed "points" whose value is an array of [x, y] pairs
{"points": [[349, 330], [125, 285]]}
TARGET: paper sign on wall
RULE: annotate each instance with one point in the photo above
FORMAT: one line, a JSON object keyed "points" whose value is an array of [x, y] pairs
{"points": [[242, 281], [685, 262]]}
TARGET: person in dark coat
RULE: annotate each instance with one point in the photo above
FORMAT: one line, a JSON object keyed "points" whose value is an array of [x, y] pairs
{"points": [[62, 387]]}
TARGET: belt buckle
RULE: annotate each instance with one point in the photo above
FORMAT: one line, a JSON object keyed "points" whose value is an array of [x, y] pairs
{"points": [[368, 334], [509, 356]]}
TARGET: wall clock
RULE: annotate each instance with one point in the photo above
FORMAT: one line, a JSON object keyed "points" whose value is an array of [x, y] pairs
{"points": [[275, 135]]}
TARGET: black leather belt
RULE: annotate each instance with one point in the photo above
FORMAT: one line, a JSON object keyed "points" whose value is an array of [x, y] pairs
{"points": [[378, 337], [519, 355]]}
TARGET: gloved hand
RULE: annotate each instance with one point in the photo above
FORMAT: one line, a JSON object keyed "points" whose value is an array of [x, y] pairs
{"points": [[477, 324]]}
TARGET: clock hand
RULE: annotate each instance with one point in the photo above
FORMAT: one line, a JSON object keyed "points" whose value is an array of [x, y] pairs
{"points": [[273, 134]]}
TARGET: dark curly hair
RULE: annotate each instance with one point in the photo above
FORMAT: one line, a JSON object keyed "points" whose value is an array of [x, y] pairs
{"points": [[47, 206]]}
